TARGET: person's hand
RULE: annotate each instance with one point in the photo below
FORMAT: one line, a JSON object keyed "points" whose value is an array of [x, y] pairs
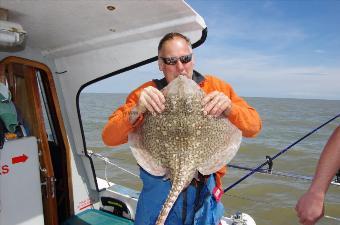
{"points": [[216, 103], [310, 208], [151, 99]]}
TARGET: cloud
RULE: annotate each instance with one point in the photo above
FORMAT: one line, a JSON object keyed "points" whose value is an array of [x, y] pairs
{"points": [[320, 51], [309, 73], [263, 75], [248, 27], [266, 57]]}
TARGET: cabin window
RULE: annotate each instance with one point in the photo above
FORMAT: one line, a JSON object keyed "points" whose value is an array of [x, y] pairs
{"points": [[97, 102], [50, 132]]}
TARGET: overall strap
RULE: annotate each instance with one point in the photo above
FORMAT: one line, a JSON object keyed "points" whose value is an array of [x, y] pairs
{"points": [[198, 184], [185, 204]]}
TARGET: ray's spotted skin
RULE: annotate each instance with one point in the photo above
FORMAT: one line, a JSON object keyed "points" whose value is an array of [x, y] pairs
{"points": [[182, 141]]}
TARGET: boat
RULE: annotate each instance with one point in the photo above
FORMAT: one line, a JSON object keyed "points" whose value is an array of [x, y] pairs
{"points": [[49, 52]]}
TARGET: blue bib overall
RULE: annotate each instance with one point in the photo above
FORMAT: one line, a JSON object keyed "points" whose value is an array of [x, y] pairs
{"points": [[193, 206]]}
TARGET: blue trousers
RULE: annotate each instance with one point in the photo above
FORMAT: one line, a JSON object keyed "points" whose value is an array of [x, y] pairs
{"points": [[202, 211]]}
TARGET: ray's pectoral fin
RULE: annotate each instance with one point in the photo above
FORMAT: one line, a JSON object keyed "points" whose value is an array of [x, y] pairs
{"points": [[144, 158], [224, 153]]}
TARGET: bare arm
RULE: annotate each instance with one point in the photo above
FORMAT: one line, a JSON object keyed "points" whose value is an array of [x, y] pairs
{"points": [[310, 206]]}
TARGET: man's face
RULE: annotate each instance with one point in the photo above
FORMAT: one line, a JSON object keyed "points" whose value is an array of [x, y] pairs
{"points": [[177, 48]]}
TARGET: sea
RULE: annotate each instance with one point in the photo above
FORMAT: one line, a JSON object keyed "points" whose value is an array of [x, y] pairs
{"points": [[269, 198]]}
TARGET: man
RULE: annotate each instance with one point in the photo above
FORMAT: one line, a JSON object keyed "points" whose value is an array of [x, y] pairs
{"points": [[192, 207], [310, 207]]}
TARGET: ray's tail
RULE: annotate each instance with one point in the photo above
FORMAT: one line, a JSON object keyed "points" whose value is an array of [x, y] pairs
{"points": [[175, 190]]}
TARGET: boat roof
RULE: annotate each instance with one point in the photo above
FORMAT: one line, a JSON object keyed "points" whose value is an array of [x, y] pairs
{"points": [[61, 28]]}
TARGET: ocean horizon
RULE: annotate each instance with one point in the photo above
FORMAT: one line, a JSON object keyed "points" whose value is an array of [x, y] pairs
{"points": [[278, 97], [269, 199]]}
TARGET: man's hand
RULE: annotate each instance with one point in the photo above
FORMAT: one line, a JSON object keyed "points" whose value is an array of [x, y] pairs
{"points": [[216, 103], [310, 208], [151, 99]]}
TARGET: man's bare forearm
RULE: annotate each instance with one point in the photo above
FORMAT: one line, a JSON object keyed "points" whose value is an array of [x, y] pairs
{"points": [[329, 163]]}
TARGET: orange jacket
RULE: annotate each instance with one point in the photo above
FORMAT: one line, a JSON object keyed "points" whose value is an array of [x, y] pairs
{"points": [[241, 115]]}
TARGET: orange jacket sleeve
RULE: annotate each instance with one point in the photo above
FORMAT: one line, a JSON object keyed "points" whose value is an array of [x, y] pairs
{"points": [[241, 115], [116, 130]]}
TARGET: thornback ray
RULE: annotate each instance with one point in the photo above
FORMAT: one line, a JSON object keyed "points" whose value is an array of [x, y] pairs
{"points": [[182, 141]]}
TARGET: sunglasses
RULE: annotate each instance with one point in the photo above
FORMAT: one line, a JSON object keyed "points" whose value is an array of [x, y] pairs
{"points": [[173, 60]]}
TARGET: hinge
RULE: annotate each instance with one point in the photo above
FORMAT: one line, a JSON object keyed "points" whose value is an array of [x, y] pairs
{"points": [[49, 185]]}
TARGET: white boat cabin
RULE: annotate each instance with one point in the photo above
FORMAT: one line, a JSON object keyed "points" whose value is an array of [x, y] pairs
{"points": [[49, 52]]}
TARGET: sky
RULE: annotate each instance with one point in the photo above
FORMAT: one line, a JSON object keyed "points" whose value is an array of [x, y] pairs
{"points": [[284, 49]]}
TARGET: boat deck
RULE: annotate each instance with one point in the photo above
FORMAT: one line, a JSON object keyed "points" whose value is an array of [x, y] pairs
{"points": [[97, 217]]}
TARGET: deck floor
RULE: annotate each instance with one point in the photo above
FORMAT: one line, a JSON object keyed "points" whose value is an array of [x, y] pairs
{"points": [[97, 217]]}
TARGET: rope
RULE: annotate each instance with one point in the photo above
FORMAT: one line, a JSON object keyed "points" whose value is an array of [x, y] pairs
{"points": [[107, 160], [105, 174], [280, 174], [332, 218], [278, 154]]}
